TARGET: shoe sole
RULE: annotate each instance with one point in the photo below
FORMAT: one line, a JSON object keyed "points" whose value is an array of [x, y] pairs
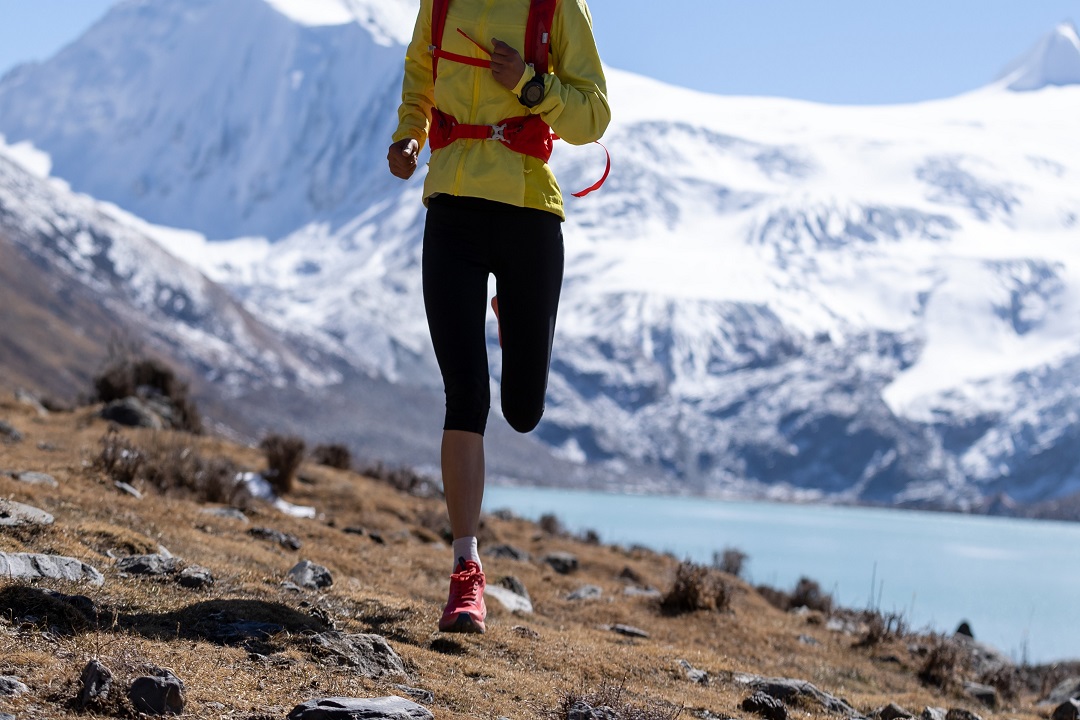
{"points": [[463, 623]]}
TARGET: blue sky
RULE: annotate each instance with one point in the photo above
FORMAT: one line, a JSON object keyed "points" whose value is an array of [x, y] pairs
{"points": [[835, 51]]}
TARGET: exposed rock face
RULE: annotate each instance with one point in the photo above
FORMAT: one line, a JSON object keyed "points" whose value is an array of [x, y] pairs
{"points": [[160, 694], [788, 690], [13, 513], [341, 708], [765, 705], [563, 563], [154, 565], [32, 566], [96, 682], [370, 655], [11, 686], [307, 574]]}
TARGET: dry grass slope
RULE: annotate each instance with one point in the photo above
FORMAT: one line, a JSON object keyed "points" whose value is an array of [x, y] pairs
{"points": [[390, 574]]}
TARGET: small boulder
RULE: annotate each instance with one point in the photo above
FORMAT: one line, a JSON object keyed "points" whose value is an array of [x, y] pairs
{"points": [[508, 552], [514, 585], [14, 514], [128, 489], [932, 713], [420, 694], [586, 592], [646, 592], [285, 540], [229, 513], [132, 412], [370, 655], [582, 710], [37, 478], [96, 682], [789, 690], [155, 565], [562, 562], [1064, 691], [1068, 710], [985, 694], [892, 711], [10, 686], [309, 575], [964, 628], [195, 577], [33, 566], [693, 674], [765, 705], [159, 694], [629, 631], [961, 714], [509, 599], [342, 708], [8, 434]]}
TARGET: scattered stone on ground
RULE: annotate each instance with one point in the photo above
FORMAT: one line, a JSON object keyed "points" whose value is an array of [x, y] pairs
{"points": [[13, 514], [984, 659], [961, 714], [892, 711], [765, 705], [24, 398], [285, 540], [154, 565], [933, 713], [527, 632], [229, 513], [788, 689], [34, 566], [425, 696], [132, 412], [1068, 710], [582, 710], [10, 686], [342, 708], [808, 640], [983, 693], [7, 716], [509, 599], [195, 577], [127, 489], [1063, 691], [562, 562], [96, 682], [307, 574], [9, 434], [628, 573], [693, 674], [36, 478], [514, 585], [645, 592], [586, 592], [507, 551], [369, 654], [158, 694], [628, 630]]}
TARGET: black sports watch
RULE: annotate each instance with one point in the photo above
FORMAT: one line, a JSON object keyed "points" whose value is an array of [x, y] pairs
{"points": [[533, 92]]}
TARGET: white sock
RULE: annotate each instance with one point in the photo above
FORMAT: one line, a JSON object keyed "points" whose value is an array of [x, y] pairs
{"points": [[465, 549]]}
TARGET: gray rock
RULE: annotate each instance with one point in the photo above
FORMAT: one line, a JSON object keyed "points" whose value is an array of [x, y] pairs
{"points": [[562, 562], [1063, 691], [514, 585], [509, 599], [226, 512], [96, 681], [234, 633], [965, 629], [80, 602], [808, 640], [693, 674], [1068, 710], [961, 714], [342, 708], [9, 434], [128, 489], [765, 705], [132, 412], [7, 716], [285, 540], [933, 713], [13, 514], [307, 574], [635, 591], [195, 577], [787, 690], [508, 552], [586, 592], [983, 693], [629, 630], [582, 710], [370, 655], [154, 565], [10, 686], [160, 694], [31, 566], [36, 478], [892, 711], [420, 694], [984, 659]]}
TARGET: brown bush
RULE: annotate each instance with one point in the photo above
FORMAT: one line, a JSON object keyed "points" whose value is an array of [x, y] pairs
{"points": [[148, 378], [882, 627], [119, 458], [283, 457], [695, 588], [609, 700], [809, 594], [336, 456], [550, 523], [404, 479], [730, 561], [944, 665]]}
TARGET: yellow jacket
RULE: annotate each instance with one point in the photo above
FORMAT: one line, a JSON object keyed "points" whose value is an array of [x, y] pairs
{"points": [[575, 103]]}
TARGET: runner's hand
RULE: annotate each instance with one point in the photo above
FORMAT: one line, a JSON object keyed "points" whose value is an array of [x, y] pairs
{"points": [[402, 158], [506, 64]]}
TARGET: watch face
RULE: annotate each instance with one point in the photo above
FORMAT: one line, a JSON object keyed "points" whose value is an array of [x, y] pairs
{"points": [[534, 92]]}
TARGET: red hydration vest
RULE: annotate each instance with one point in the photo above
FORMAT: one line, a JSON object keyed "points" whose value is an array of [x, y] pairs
{"points": [[527, 134]]}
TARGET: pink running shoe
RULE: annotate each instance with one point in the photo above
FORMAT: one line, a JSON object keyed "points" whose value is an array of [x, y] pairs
{"points": [[465, 610]]}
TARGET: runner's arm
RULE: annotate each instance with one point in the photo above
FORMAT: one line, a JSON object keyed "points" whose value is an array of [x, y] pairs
{"points": [[417, 89]]}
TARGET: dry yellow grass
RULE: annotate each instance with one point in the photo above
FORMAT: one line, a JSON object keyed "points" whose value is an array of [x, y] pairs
{"points": [[522, 668]]}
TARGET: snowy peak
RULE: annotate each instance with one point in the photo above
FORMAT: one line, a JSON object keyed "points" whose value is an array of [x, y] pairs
{"points": [[389, 21], [1055, 60]]}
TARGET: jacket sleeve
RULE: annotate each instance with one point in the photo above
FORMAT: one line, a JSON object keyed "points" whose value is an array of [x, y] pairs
{"points": [[575, 104], [417, 90]]}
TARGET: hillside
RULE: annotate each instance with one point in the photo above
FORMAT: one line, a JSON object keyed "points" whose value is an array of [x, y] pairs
{"points": [[247, 646]]}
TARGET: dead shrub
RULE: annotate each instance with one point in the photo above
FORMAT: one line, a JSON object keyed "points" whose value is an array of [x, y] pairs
{"points": [[404, 479], [730, 561], [550, 523], [609, 702], [808, 593], [150, 379], [1006, 679], [283, 457], [944, 665], [695, 588], [882, 627], [775, 597], [336, 456], [119, 458]]}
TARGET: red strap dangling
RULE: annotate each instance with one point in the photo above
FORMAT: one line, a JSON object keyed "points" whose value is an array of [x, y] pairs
{"points": [[596, 185]]}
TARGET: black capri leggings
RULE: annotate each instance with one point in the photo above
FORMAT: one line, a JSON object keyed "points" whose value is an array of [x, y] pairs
{"points": [[465, 239]]}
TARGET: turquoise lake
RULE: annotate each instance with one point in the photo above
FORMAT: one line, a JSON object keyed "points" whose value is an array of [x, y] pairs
{"points": [[1016, 581]]}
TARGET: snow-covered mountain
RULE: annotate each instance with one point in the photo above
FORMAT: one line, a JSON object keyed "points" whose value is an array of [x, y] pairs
{"points": [[768, 296]]}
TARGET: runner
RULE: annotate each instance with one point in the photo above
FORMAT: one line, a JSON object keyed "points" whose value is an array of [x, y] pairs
{"points": [[493, 207]]}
